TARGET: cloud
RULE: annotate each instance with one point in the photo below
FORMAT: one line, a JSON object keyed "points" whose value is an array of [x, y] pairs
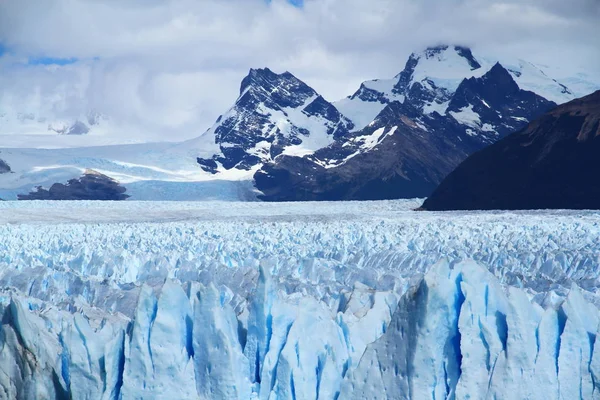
{"points": [[171, 67]]}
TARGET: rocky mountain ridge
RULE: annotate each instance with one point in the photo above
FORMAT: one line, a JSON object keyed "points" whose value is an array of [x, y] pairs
{"points": [[552, 163], [418, 137]]}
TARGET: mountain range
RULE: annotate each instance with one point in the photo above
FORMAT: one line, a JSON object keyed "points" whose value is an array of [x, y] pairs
{"points": [[282, 141]]}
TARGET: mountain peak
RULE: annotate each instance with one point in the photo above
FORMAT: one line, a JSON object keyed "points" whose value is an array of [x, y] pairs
{"points": [[267, 73], [255, 75], [501, 75], [432, 51], [260, 72], [275, 114], [436, 72], [284, 85], [444, 52]]}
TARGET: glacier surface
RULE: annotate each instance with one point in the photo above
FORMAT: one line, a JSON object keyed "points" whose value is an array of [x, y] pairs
{"points": [[215, 300]]}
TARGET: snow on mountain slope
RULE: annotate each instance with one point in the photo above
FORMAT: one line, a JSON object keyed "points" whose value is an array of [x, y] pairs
{"points": [[364, 105], [265, 301], [531, 77], [545, 81], [445, 66], [549, 81], [430, 78], [440, 68], [274, 114], [580, 83]]}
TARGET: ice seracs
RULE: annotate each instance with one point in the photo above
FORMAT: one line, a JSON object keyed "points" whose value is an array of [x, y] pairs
{"points": [[266, 301], [184, 345], [456, 333], [459, 334]]}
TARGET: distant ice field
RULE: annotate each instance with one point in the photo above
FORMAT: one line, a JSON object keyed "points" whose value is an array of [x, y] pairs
{"points": [[69, 212], [100, 253], [36, 212]]}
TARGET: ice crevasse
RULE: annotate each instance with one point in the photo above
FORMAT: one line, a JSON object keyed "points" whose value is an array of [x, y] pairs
{"points": [[456, 333]]}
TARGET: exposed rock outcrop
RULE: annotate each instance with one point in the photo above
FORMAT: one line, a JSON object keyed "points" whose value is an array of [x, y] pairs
{"points": [[90, 186]]}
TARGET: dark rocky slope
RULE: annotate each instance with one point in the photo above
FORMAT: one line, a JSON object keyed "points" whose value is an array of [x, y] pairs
{"points": [[406, 161], [91, 186], [4, 167], [551, 164]]}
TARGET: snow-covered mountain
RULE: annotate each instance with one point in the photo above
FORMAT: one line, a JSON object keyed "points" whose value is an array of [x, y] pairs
{"points": [[270, 301], [416, 139], [281, 140], [431, 77], [427, 81], [274, 114], [451, 101], [14, 124]]}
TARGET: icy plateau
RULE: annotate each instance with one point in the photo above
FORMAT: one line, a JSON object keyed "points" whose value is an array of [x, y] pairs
{"points": [[353, 300]]}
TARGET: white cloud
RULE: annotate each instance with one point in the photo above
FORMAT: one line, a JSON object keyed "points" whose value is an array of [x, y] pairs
{"points": [[170, 67]]}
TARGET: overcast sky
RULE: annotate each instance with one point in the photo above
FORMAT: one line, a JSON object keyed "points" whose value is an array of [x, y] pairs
{"points": [[175, 65]]}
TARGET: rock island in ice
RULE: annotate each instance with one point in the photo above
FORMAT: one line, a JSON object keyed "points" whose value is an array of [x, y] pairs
{"points": [[356, 300]]}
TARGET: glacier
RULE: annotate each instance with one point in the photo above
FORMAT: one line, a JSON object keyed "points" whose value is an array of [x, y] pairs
{"points": [[216, 300]]}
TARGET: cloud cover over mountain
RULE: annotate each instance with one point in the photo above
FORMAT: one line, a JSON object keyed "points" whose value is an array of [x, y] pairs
{"points": [[166, 69]]}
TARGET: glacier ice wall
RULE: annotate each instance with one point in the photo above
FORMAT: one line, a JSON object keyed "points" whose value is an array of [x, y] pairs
{"points": [[296, 301], [456, 333], [189, 344], [460, 334]]}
